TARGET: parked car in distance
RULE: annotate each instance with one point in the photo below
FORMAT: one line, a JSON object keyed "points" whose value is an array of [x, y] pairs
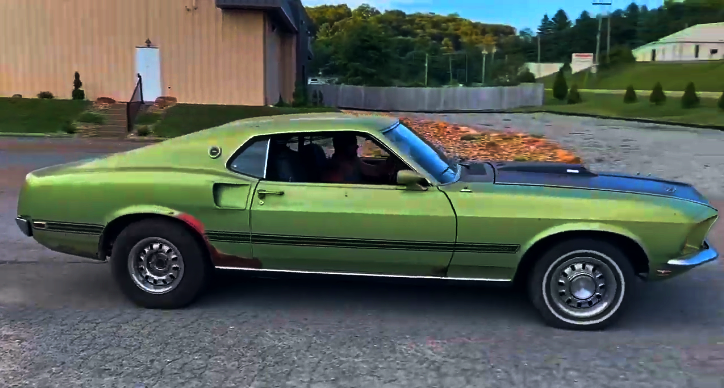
{"points": [[292, 194]]}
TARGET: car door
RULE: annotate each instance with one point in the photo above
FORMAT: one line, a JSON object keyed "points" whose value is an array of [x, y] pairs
{"points": [[357, 228], [352, 228]]}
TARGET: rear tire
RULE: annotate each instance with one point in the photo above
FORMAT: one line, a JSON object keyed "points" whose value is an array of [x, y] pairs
{"points": [[581, 284], [158, 264]]}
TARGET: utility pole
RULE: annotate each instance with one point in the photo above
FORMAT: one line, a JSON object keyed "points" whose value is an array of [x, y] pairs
{"points": [[427, 56], [608, 38], [466, 68], [450, 59], [538, 55], [598, 43], [485, 54], [598, 35]]}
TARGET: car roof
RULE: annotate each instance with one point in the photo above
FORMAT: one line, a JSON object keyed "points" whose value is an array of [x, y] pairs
{"points": [[304, 122]]}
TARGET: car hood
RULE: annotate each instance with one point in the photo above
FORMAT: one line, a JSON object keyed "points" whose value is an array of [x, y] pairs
{"points": [[576, 176]]}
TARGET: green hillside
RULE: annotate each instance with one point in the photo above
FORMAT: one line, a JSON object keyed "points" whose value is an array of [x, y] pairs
{"points": [[707, 76]]}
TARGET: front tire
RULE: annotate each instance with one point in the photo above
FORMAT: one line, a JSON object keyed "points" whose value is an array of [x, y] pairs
{"points": [[581, 284], [158, 264]]}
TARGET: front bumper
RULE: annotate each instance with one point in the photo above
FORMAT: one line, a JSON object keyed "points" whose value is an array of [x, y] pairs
{"points": [[24, 226], [682, 264]]}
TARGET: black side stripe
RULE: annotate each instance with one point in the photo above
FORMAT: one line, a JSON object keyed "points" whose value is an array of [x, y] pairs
{"points": [[305, 241], [69, 227]]}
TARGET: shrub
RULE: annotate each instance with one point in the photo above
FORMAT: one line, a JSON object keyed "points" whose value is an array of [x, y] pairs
{"points": [[143, 130], [91, 118], [574, 97], [720, 104], [46, 95], [299, 98], [321, 98], [526, 77], [315, 98], [147, 118], [560, 87], [68, 127], [689, 99], [280, 103], [567, 67], [77, 94], [630, 96], [657, 95]]}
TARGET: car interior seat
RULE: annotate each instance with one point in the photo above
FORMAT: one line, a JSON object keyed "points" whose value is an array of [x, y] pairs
{"points": [[314, 160]]}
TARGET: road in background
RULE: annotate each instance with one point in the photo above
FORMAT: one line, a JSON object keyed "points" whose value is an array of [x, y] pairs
{"points": [[63, 323]]}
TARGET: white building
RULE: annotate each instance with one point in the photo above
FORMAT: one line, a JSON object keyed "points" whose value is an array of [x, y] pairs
{"points": [[702, 42]]}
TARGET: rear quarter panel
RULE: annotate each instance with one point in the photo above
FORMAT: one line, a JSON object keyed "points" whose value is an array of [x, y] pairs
{"points": [[79, 200], [523, 215]]}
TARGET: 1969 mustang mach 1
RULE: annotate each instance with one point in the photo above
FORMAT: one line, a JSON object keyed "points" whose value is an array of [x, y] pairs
{"points": [[294, 194]]}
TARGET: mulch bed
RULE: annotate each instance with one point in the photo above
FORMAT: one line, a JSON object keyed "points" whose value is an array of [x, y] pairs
{"points": [[470, 144]]}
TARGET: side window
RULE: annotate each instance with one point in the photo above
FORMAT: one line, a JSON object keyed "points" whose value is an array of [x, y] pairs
{"points": [[369, 149], [252, 160]]}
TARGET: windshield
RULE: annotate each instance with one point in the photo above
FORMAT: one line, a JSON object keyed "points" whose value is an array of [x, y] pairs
{"points": [[422, 153]]}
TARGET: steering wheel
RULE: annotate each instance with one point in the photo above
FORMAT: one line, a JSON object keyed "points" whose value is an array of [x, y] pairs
{"points": [[393, 166]]}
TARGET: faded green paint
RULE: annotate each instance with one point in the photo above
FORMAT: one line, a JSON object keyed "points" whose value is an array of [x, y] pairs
{"points": [[480, 232]]}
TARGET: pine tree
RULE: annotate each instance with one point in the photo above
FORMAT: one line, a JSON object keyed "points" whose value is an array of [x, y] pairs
{"points": [[574, 97], [630, 96], [657, 95], [560, 87], [689, 99]]}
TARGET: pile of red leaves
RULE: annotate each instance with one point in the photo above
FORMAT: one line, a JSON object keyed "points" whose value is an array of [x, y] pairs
{"points": [[466, 143]]}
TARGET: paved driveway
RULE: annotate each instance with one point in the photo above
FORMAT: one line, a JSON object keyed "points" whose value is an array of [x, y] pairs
{"points": [[64, 324]]}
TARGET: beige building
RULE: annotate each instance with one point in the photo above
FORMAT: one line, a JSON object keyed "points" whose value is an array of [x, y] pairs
{"points": [[242, 52], [702, 42]]}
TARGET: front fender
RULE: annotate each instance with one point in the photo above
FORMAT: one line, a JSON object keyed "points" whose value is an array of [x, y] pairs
{"points": [[583, 227]]}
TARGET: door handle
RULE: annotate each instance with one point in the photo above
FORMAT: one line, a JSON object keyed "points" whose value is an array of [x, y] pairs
{"points": [[264, 193]]}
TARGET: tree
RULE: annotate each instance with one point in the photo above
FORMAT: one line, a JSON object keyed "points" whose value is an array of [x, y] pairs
{"points": [[362, 36], [560, 87], [574, 97], [657, 96], [630, 96], [365, 11], [689, 99], [547, 26], [560, 21], [78, 93], [720, 103]]}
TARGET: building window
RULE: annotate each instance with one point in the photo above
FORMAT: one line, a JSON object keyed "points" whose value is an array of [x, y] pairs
{"points": [[696, 51], [713, 51]]}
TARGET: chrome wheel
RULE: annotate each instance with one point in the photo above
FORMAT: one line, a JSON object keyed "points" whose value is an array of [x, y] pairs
{"points": [[156, 265], [583, 285]]}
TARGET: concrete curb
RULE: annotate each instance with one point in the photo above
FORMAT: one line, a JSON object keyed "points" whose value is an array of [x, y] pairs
{"points": [[644, 121], [532, 111], [20, 134]]}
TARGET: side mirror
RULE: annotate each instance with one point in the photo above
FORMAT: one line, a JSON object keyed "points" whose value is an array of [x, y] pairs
{"points": [[411, 179]]}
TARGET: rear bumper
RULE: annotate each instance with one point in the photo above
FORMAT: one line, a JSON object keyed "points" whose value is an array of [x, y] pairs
{"points": [[24, 226], [683, 264]]}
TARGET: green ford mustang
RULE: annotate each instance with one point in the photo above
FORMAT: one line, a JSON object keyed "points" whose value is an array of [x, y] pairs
{"points": [[256, 195]]}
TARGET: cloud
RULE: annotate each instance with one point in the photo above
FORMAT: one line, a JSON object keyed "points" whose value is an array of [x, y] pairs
{"points": [[379, 4]]}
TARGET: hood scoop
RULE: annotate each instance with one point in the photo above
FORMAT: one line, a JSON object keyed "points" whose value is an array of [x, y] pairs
{"points": [[542, 168]]}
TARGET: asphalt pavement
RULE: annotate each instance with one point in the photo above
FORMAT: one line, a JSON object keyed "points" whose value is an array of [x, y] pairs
{"points": [[63, 323]]}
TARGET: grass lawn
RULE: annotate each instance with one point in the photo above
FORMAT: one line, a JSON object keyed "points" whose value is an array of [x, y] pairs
{"points": [[706, 76], [33, 115], [183, 119], [612, 105]]}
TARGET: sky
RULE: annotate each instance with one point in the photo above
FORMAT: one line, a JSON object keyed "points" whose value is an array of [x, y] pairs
{"points": [[517, 13]]}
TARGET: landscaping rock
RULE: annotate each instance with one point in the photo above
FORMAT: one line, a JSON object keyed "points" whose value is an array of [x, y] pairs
{"points": [[17, 96], [105, 100], [164, 102]]}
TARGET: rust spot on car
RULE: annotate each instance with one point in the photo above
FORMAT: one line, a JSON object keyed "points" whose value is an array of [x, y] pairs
{"points": [[218, 258], [221, 259]]}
